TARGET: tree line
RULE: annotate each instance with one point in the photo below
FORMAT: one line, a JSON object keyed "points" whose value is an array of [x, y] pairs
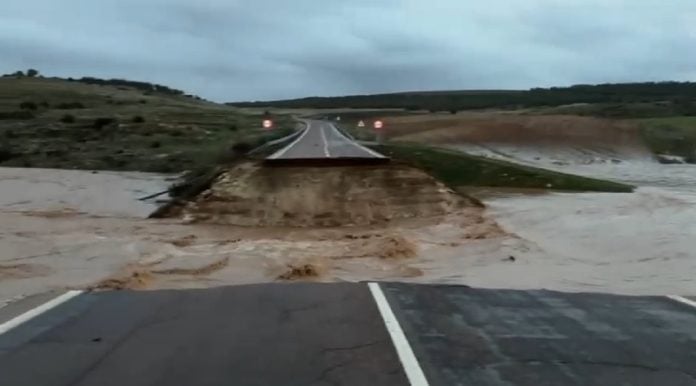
{"points": [[676, 92]]}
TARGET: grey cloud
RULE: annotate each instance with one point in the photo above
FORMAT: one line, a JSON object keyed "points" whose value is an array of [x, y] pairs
{"points": [[265, 49]]}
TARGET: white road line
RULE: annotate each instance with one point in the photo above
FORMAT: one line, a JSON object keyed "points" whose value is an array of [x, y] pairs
{"points": [[370, 151], [326, 144], [683, 300], [282, 151], [34, 312], [403, 349]]}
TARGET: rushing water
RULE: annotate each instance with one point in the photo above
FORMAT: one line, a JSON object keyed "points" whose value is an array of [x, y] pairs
{"points": [[62, 228], [643, 242]]}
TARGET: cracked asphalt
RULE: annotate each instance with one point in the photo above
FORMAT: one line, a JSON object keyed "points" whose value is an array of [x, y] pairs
{"points": [[334, 334]]}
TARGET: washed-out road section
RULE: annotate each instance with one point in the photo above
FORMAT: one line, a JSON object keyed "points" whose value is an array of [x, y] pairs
{"points": [[351, 334]]}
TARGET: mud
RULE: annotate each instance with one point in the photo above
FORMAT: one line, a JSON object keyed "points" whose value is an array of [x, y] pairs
{"points": [[254, 196], [295, 272], [135, 280], [639, 243]]}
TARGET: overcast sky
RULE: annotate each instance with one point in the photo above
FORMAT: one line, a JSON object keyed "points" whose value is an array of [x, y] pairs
{"points": [[229, 50]]}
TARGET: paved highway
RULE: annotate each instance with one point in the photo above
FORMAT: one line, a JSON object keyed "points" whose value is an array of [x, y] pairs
{"points": [[321, 140], [348, 334]]}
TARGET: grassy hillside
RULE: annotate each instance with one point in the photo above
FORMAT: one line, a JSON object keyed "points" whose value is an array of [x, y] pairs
{"points": [[70, 124], [458, 169], [672, 136]]}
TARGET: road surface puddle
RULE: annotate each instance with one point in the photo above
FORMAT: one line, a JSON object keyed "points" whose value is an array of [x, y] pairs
{"points": [[75, 229]]}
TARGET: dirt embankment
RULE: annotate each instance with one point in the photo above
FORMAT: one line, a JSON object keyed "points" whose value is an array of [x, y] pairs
{"points": [[252, 195], [602, 135]]}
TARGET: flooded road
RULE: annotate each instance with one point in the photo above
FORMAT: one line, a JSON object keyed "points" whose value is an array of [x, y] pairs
{"points": [[75, 229], [639, 243]]}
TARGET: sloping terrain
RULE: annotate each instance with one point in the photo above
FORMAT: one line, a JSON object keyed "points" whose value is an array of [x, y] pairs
{"points": [[250, 195], [50, 122]]}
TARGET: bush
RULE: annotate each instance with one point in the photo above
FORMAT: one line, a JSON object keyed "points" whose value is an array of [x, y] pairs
{"points": [[10, 134], [143, 101], [28, 106], [32, 73], [70, 106], [233, 127], [101, 122], [176, 133], [6, 154], [44, 104], [67, 118], [138, 119], [23, 114], [241, 148], [155, 145]]}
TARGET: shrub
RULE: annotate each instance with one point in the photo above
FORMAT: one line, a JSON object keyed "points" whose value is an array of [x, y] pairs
{"points": [[44, 104], [10, 134], [155, 144], [176, 133], [143, 101], [6, 154], [241, 148], [233, 127], [32, 73], [68, 118], [28, 105], [138, 119], [70, 106], [101, 122], [23, 114]]}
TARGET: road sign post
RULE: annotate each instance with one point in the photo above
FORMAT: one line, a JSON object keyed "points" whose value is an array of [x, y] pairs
{"points": [[379, 130]]}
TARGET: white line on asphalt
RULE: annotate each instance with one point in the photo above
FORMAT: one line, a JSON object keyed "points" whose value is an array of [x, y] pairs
{"points": [[326, 144], [34, 312], [282, 151], [403, 349], [370, 151], [683, 300]]}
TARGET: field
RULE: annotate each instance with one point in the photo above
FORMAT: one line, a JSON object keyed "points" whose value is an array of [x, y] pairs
{"points": [[457, 169], [671, 136], [55, 123]]}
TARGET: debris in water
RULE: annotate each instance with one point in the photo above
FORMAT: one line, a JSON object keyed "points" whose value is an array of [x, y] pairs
{"points": [[299, 272], [134, 280]]}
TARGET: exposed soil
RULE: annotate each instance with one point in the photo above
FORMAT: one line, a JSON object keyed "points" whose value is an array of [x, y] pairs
{"points": [[515, 128], [301, 272], [252, 195], [197, 271], [133, 280]]}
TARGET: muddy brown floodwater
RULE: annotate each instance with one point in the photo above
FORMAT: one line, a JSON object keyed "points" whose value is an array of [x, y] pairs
{"points": [[76, 229]]}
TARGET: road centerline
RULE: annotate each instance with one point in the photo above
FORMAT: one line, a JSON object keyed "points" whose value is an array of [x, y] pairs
{"points": [[326, 143], [413, 370]]}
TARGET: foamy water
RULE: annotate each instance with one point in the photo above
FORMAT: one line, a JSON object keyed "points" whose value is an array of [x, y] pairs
{"points": [[638, 243], [62, 228]]}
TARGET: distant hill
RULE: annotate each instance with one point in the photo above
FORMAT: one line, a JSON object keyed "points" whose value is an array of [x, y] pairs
{"points": [[676, 92]]}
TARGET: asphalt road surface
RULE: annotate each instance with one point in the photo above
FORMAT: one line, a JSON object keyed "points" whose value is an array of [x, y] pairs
{"points": [[351, 334], [321, 140]]}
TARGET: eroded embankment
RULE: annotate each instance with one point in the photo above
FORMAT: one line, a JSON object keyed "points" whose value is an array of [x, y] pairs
{"points": [[252, 195]]}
